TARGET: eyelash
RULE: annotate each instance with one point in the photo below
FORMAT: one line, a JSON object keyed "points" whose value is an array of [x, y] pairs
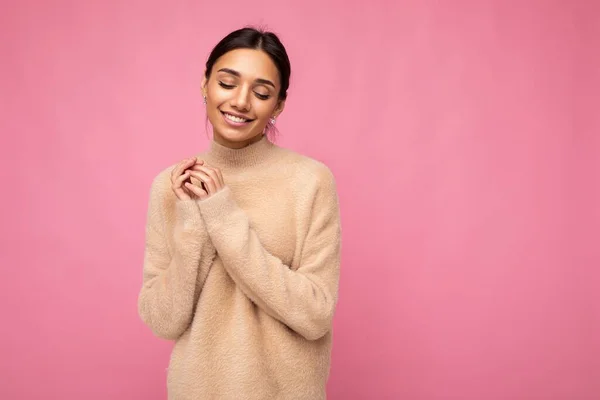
{"points": [[229, 87]]}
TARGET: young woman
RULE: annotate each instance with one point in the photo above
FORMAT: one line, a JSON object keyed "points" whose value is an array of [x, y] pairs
{"points": [[242, 252]]}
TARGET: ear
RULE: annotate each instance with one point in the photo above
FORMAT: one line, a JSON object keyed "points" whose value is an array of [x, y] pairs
{"points": [[278, 108], [203, 86]]}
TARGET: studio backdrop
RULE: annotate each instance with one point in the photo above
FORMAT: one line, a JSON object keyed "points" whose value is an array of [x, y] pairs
{"points": [[464, 140]]}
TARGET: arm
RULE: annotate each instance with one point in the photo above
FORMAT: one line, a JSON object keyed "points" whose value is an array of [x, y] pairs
{"points": [[304, 299], [173, 275]]}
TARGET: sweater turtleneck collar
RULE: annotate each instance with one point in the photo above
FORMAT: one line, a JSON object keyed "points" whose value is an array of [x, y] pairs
{"points": [[256, 153]]}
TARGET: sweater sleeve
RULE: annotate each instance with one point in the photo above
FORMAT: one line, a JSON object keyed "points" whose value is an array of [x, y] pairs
{"points": [[173, 275], [303, 299]]}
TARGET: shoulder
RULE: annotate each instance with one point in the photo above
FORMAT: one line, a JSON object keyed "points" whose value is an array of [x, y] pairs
{"points": [[311, 180], [310, 170], [161, 192], [162, 179], [314, 182]]}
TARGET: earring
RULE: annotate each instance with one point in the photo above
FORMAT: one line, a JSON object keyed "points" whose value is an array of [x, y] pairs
{"points": [[272, 120], [204, 99]]}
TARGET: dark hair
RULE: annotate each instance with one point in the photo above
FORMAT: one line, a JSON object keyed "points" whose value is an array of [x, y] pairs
{"points": [[252, 38]]}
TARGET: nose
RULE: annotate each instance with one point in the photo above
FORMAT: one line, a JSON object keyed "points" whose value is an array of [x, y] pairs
{"points": [[240, 99]]}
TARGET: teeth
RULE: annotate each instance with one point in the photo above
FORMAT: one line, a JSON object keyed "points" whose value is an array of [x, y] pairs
{"points": [[234, 118]]}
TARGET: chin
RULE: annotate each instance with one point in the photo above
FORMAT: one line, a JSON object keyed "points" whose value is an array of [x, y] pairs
{"points": [[236, 136]]}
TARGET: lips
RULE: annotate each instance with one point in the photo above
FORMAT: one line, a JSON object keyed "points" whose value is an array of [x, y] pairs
{"points": [[235, 117]]}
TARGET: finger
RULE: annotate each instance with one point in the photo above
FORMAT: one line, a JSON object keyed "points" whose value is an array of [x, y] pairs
{"points": [[196, 190], [197, 166], [187, 164], [213, 174], [178, 168], [183, 165], [208, 181], [182, 178], [197, 182], [208, 184], [174, 173], [179, 192]]}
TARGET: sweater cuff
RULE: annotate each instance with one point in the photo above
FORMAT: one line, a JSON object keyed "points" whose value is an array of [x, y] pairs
{"points": [[187, 215], [217, 209]]}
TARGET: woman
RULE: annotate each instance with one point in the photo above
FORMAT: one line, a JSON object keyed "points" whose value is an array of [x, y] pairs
{"points": [[243, 244]]}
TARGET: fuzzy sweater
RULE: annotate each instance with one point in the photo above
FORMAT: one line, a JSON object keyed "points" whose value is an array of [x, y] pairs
{"points": [[246, 281]]}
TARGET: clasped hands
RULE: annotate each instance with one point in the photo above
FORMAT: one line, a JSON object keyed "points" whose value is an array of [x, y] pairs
{"points": [[208, 180]]}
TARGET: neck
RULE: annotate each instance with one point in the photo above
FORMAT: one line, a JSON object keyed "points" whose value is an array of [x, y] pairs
{"points": [[236, 145], [256, 152]]}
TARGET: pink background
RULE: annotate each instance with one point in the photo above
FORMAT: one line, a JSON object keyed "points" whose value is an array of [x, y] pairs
{"points": [[465, 145]]}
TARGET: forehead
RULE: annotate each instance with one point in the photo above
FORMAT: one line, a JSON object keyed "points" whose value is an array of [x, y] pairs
{"points": [[251, 64]]}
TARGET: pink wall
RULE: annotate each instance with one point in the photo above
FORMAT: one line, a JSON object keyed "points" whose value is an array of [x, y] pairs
{"points": [[466, 150]]}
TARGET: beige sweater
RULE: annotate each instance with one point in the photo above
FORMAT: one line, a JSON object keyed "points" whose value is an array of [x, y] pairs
{"points": [[246, 281]]}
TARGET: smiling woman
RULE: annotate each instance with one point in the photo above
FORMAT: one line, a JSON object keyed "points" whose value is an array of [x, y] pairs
{"points": [[243, 241], [243, 96], [246, 81]]}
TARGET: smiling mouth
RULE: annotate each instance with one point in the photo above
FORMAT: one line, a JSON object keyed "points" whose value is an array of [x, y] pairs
{"points": [[235, 118]]}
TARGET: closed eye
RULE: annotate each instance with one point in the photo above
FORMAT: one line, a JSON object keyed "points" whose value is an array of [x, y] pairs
{"points": [[226, 86], [258, 95]]}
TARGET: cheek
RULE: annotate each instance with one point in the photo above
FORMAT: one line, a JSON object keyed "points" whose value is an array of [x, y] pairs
{"points": [[263, 109], [217, 96]]}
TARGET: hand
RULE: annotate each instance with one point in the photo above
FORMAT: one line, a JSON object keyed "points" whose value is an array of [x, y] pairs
{"points": [[210, 178], [180, 175]]}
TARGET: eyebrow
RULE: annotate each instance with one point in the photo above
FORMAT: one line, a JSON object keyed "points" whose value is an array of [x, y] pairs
{"points": [[235, 73]]}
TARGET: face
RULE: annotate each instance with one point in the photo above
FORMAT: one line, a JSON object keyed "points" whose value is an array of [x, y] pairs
{"points": [[241, 96]]}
